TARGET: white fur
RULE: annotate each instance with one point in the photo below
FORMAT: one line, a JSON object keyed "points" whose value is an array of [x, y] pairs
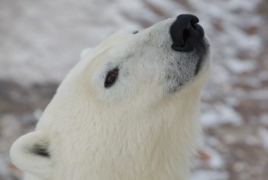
{"points": [[135, 130], [36, 165], [85, 52]]}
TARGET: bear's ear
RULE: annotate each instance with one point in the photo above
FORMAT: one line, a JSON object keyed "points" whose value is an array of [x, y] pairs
{"points": [[30, 153], [85, 52]]}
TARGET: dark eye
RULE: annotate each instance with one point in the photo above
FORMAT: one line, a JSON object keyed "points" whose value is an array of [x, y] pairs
{"points": [[111, 78], [135, 32]]}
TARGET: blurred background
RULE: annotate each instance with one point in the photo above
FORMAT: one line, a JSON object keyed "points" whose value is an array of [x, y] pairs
{"points": [[40, 41]]}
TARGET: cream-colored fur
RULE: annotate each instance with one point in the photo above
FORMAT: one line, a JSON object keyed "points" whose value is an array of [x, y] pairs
{"points": [[134, 130]]}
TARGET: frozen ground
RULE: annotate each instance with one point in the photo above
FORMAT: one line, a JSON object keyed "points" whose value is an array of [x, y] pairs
{"points": [[41, 40]]}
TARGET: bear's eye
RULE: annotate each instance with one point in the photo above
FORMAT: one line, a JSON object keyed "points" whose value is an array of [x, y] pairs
{"points": [[135, 32], [111, 78]]}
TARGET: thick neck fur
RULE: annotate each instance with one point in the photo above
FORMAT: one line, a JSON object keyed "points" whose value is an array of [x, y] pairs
{"points": [[153, 145]]}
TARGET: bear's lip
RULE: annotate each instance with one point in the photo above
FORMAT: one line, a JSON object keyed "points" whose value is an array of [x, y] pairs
{"points": [[202, 49]]}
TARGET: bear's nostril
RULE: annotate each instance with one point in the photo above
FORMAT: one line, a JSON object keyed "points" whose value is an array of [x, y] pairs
{"points": [[185, 35], [193, 23]]}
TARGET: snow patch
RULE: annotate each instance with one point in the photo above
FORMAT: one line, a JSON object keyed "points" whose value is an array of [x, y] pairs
{"points": [[220, 114], [209, 175], [263, 133]]}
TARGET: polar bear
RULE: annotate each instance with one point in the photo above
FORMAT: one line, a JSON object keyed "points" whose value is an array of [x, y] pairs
{"points": [[127, 111]]}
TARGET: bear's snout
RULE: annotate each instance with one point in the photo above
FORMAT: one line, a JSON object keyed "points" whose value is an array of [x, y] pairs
{"points": [[186, 33]]}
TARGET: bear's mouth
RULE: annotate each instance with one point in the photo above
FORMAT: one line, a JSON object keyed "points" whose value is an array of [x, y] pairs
{"points": [[202, 51]]}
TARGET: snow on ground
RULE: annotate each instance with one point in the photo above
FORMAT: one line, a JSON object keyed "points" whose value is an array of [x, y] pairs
{"points": [[209, 175], [41, 41]]}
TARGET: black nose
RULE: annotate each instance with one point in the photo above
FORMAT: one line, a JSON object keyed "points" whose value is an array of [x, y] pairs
{"points": [[186, 33]]}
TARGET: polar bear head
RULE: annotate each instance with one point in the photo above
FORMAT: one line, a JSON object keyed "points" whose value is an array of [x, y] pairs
{"points": [[127, 110]]}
